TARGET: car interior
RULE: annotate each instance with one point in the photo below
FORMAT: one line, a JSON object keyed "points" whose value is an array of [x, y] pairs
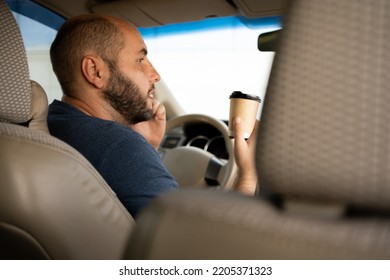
{"points": [[322, 152]]}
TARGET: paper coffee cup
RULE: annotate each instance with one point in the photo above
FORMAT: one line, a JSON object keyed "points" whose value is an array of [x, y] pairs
{"points": [[244, 106]]}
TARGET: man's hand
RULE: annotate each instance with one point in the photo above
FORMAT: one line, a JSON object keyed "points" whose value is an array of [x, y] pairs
{"points": [[153, 130], [244, 153]]}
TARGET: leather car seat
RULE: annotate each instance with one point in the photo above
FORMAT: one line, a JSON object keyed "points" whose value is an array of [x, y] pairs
{"points": [[323, 153], [53, 203]]}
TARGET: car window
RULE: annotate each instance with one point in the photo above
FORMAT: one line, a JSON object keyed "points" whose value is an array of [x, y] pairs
{"points": [[203, 62], [37, 38]]}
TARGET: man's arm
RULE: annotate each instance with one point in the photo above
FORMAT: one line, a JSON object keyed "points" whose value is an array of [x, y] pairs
{"points": [[244, 153]]}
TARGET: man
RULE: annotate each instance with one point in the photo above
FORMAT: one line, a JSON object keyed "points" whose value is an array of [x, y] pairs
{"points": [[108, 111]]}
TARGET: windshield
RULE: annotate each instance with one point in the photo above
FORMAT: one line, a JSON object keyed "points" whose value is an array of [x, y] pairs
{"points": [[203, 62]]}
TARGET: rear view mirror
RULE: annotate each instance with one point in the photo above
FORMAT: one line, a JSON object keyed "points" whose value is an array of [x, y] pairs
{"points": [[267, 41]]}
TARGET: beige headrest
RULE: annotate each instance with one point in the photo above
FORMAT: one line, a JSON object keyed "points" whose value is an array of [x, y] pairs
{"points": [[15, 90], [324, 130], [39, 108]]}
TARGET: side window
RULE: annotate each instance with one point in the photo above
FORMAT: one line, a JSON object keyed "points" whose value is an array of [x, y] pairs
{"points": [[37, 39]]}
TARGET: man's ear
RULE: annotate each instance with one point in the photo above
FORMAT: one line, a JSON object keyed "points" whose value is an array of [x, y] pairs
{"points": [[94, 70]]}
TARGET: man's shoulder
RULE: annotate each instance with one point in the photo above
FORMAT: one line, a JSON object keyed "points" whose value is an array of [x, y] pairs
{"points": [[57, 108], [63, 117], [90, 134]]}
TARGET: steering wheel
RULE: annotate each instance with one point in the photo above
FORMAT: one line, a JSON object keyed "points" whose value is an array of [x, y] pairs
{"points": [[192, 166]]}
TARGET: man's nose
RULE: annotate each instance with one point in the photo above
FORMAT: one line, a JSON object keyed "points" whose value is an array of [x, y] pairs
{"points": [[154, 75]]}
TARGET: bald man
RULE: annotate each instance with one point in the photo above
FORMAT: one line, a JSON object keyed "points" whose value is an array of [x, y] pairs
{"points": [[108, 111]]}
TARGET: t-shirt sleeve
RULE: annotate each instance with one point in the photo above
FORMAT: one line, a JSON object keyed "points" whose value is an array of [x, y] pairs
{"points": [[136, 173]]}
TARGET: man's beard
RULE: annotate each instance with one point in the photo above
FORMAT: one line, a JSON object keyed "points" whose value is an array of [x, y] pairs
{"points": [[126, 98]]}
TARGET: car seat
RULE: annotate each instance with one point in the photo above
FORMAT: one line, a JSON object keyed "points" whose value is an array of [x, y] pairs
{"points": [[323, 153], [53, 203]]}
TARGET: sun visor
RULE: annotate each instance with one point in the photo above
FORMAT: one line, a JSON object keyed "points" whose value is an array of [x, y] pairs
{"points": [[147, 13], [259, 8]]}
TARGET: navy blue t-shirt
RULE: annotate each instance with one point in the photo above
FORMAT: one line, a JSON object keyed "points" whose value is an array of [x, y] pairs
{"points": [[128, 163]]}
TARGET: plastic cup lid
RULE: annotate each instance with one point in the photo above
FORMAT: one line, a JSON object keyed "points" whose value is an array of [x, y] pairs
{"points": [[239, 94]]}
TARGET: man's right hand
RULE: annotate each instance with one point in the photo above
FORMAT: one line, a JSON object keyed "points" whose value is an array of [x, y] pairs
{"points": [[154, 129]]}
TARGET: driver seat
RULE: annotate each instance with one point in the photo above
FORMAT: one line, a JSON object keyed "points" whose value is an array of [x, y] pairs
{"points": [[53, 203]]}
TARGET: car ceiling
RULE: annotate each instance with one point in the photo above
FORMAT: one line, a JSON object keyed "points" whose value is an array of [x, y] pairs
{"points": [[148, 13]]}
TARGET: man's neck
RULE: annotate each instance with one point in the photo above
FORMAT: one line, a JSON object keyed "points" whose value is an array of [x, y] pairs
{"points": [[96, 108]]}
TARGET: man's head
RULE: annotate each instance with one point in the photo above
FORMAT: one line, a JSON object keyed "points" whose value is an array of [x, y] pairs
{"points": [[108, 56], [79, 36]]}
